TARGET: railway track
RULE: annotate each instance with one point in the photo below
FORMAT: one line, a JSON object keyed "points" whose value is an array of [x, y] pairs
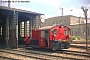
{"points": [[42, 54]]}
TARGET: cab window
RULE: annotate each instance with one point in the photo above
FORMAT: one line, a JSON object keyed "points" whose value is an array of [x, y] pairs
{"points": [[65, 32], [54, 31]]}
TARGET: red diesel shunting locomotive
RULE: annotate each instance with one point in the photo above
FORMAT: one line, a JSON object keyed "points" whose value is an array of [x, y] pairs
{"points": [[53, 37]]}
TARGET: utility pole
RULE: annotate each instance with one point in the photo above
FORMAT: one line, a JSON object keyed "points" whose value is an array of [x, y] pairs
{"points": [[85, 13], [62, 11], [61, 15], [79, 26]]}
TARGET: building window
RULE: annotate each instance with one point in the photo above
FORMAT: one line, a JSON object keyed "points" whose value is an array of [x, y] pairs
{"points": [[77, 31], [65, 22], [88, 31], [85, 31], [49, 23], [54, 23], [60, 21], [1, 30], [77, 21], [82, 22], [71, 32], [46, 24], [22, 29]]}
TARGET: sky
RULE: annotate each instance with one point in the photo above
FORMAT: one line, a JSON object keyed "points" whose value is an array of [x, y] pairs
{"points": [[52, 8]]}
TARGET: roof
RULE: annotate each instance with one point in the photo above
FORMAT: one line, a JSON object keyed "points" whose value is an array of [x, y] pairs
{"points": [[63, 16], [45, 28], [19, 10]]}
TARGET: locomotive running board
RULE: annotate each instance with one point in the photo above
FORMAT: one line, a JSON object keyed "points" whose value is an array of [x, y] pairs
{"points": [[34, 46]]}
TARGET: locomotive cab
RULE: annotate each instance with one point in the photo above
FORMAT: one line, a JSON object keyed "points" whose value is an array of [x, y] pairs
{"points": [[45, 34]]}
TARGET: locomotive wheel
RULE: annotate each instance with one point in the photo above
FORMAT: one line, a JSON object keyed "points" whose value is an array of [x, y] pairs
{"points": [[56, 46], [26, 45], [53, 49]]}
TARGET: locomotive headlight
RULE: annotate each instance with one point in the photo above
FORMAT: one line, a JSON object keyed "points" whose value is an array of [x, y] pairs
{"points": [[59, 39], [64, 40], [41, 39]]}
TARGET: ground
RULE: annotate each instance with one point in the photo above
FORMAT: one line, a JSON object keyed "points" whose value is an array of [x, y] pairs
{"points": [[77, 51]]}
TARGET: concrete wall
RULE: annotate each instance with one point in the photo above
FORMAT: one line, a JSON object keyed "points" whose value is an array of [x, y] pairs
{"points": [[75, 30], [72, 22], [64, 20], [76, 20]]}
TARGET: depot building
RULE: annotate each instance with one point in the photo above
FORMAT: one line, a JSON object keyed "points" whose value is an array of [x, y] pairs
{"points": [[15, 24]]}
